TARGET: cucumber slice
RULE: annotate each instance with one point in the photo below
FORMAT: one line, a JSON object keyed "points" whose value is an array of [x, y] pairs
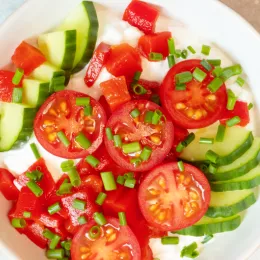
{"points": [[84, 19], [237, 141], [16, 125], [239, 167], [247, 181], [59, 48], [229, 203], [35, 92], [209, 226]]}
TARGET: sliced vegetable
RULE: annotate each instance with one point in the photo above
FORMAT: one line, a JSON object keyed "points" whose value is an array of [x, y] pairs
{"points": [[7, 186], [6, 85]]}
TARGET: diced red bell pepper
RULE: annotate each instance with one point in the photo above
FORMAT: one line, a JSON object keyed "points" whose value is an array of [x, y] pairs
{"points": [[240, 110], [124, 60], [141, 15], [91, 183], [157, 42], [27, 57], [96, 63], [51, 221], [7, 186], [116, 92], [47, 183]]}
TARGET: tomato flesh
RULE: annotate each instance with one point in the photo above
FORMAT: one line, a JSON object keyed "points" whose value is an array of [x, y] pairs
{"points": [[60, 113], [7, 186], [195, 107], [170, 199], [158, 137], [115, 242]]}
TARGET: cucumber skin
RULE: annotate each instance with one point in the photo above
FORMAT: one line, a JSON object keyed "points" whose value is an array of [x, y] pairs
{"points": [[231, 210], [92, 36], [44, 94], [212, 228], [70, 50]]}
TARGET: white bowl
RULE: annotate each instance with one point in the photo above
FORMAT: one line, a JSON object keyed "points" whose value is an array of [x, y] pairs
{"points": [[219, 24]]}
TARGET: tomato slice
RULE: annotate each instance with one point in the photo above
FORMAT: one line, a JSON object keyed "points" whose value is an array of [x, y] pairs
{"points": [[170, 199], [115, 242], [195, 107], [60, 113], [157, 137], [7, 186]]}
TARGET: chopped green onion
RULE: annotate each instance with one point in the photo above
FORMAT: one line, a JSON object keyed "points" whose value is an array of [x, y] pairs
{"points": [[101, 198], [55, 253], [99, 218], [27, 214], [171, 46], [180, 87], [129, 175], [204, 140], [130, 183], [214, 63], [131, 147], [205, 49], [74, 177], [109, 133], [183, 77], [18, 223], [93, 161], [156, 99], [207, 238], [108, 181], [211, 156], [170, 240], [250, 106], [180, 147], [139, 89], [54, 208], [148, 117], [17, 76], [48, 234], [35, 189], [199, 74], [54, 242], [240, 81], [136, 161], [34, 175], [190, 48], [231, 71], [82, 220], [177, 53], [88, 110], [233, 121], [67, 165], [17, 95], [188, 139], [63, 138], [206, 65], [188, 250], [217, 72], [231, 100], [184, 54], [215, 84], [212, 168], [94, 232], [120, 180], [65, 188], [83, 141], [156, 117], [220, 133], [181, 166], [122, 218], [135, 113], [137, 76], [35, 151], [155, 56], [171, 61], [146, 153], [79, 204], [82, 101], [66, 244], [204, 168]]}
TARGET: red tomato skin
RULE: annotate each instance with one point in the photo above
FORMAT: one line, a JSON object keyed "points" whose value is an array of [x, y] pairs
{"points": [[6, 85], [179, 119], [141, 15], [102, 101], [124, 60], [7, 186], [27, 57], [240, 110], [91, 183], [96, 63], [173, 166], [157, 42], [62, 151]]}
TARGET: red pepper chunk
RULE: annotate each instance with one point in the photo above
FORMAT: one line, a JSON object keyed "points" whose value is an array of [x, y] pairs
{"points": [[27, 57], [116, 92], [7, 186], [157, 42], [141, 15], [6, 85], [96, 64]]}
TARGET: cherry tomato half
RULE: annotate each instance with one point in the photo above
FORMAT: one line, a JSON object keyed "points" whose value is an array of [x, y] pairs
{"points": [[195, 107], [145, 133], [172, 200], [110, 241], [59, 113]]}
